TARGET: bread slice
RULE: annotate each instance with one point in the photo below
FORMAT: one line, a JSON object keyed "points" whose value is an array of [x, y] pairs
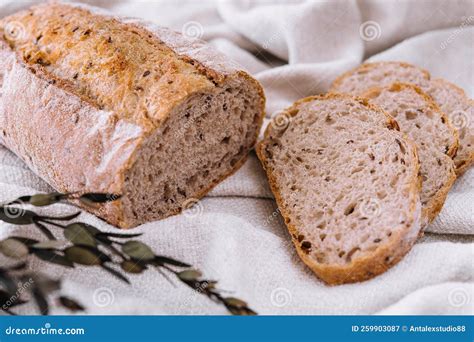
{"points": [[346, 182], [378, 74], [435, 138], [451, 99], [460, 110]]}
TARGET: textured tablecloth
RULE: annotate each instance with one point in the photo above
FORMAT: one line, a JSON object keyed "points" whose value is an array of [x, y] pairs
{"points": [[235, 234]]}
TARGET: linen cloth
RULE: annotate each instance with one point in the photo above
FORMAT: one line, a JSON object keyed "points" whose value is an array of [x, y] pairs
{"points": [[235, 234]]}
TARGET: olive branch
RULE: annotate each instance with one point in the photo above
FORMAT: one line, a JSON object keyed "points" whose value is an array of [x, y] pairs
{"points": [[85, 245]]}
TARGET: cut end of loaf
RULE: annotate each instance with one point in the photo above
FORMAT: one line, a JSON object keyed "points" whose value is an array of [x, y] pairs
{"points": [[346, 182], [206, 138]]}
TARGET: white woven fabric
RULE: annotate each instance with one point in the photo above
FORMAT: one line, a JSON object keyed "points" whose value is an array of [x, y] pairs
{"points": [[235, 234]]}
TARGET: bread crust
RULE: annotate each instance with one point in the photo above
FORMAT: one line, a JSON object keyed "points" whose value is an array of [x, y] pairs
{"points": [[465, 163], [369, 65], [365, 267], [432, 209], [94, 154]]}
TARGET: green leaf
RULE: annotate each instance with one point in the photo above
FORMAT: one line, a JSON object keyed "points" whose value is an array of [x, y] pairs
{"points": [[17, 267], [138, 250], [241, 311], [109, 245], [160, 260], [93, 198], [49, 244], [79, 234], [132, 267], [16, 215], [7, 300], [115, 273], [26, 241], [42, 228], [42, 200], [119, 236], [83, 255], [60, 218], [235, 302], [70, 304], [16, 301], [13, 248], [208, 284], [46, 284], [7, 282], [52, 257], [91, 229], [189, 275], [22, 199], [41, 301], [4, 297], [104, 240]]}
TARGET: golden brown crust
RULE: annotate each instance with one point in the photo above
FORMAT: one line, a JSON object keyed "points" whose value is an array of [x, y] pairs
{"points": [[361, 268], [461, 164], [75, 47]]}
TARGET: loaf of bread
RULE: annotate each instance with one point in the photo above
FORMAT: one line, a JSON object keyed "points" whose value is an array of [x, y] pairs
{"points": [[347, 183], [451, 99], [435, 138], [97, 103]]}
